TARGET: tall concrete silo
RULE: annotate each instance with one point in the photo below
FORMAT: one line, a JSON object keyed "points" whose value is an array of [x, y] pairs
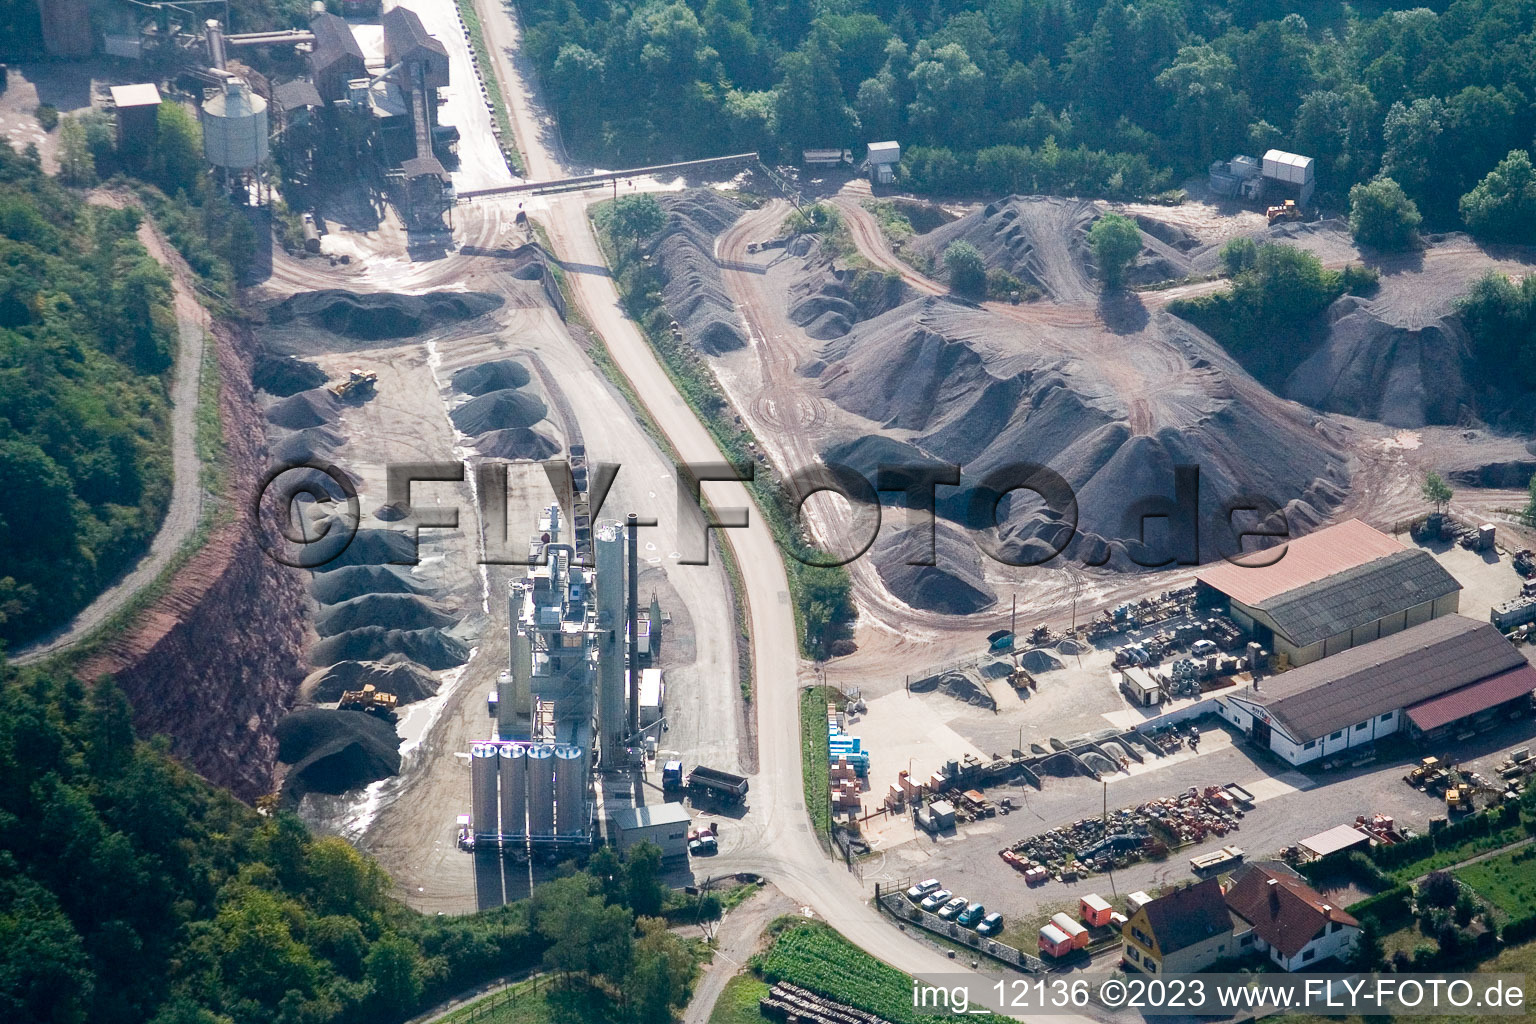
{"points": [[541, 790], [482, 767], [514, 789], [609, 538], [570, 790]]}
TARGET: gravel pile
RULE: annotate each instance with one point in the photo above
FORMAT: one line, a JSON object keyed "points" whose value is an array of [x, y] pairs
{"points": [[357, 580], [408, 681], [1041, 240], [392, 611], [428, 647], [334, 751], [380, 316], [516, 443], [499, 410], [372, 547], [827, 301], [694, 291], [285, 375], [310, 445], [312, 408], [953, 585], [495, 375]]}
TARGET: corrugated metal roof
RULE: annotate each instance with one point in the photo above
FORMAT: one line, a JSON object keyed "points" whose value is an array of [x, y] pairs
{"points": [[1340, 837], [142, 95], [1384, 675], [1358, 596], [1307, 559], [651, 814], [1469, 700]]}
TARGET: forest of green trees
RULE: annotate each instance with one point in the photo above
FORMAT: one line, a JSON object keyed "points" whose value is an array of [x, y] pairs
{"points": [[1088, 96], [132, 891], [86, 343]]}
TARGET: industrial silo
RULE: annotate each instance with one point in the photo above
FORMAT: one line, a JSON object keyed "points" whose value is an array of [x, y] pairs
{"points": [[482, 767], [570, 791], [610, 643], [541, 790], [235, 128], [514, 789]]}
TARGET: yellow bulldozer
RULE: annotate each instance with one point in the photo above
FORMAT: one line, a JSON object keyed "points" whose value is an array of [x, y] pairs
{"points": [[358, 384], [369, 700], [1287, 210]]}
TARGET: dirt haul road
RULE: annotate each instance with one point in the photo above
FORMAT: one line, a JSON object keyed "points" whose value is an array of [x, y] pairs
{"points": [[186, 504], [775, 838]]}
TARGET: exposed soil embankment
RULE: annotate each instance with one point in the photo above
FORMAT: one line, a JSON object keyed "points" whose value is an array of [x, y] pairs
{"points": [[215, 662]]}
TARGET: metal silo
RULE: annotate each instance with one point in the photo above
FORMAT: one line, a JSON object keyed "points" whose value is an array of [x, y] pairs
{"points": [[610, 643], [514, 790], [482, 766], [235, 128], [541, 790], [570, 791]]}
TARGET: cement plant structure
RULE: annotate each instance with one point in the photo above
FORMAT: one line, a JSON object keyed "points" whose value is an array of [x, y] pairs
{"points": [[560, 705]]}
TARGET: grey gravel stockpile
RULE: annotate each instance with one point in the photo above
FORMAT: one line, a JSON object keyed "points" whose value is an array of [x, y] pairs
{"points": [[306, 409], [495, 375], [516, 443], [694, 292], [333, 751], [393, 611], [963, 685], [368, 547], [1112, 414], [428, 647], [499, 410], [1040, 240], [310, 445], [408, 681], [380, 316], [1401, 376], [357, 580], [827, 301], [953, 585], [285, 375]]}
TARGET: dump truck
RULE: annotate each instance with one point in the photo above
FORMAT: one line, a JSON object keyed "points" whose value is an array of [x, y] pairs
{"points": [[672, 776], [1287, 210], [358, 384], [715, 783], [370, 700]]}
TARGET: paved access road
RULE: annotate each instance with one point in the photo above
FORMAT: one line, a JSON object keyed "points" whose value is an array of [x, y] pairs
{"points": [[774, 839]]}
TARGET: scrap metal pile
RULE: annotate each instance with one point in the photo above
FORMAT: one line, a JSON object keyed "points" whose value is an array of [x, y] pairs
{"points": [[1218, 629], [1149, 611], [1127, 835]]}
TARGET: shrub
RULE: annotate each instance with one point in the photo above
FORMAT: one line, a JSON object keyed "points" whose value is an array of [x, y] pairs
{"points": [[967, 270], [1503, 205], [1116, 242], [1238, 255], [47, 115], [1439, 889], [1382, 216], [1360, 279]]}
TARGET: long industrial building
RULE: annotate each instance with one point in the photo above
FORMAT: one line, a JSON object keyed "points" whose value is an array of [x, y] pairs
{"points": [[1437, 679], [1332, 590]]}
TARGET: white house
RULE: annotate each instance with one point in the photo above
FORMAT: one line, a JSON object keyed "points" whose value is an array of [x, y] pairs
{"points": [[1288, 919]]}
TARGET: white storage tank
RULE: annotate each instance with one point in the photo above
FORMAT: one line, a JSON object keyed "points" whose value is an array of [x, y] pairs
{"points": [[541, 790], [235, 128], [570, 791], [514, 789], [482, 767]]}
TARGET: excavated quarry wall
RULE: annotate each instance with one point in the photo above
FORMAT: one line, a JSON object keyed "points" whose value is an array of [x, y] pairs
{"points": [[216, 660]]}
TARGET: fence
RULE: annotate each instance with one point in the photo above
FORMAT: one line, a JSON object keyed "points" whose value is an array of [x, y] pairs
{"points": [[894, 901]]}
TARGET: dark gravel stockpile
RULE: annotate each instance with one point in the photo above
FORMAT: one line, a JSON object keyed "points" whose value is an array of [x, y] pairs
{"points": [[430, 648], [516, 443], [684, 253], [508, 408], [827, 301], [306, 409], [1040, 240], [285, 375], [370, 547], [358, 580], [333, 751], [495, 375], [953, 585], [310, 445], [392, 611], [381, 316], [395, 674]]}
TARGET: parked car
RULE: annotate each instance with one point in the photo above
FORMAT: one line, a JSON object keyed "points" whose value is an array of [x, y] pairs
{"points": [[972, 914], [948, 911], [990, 925], [937, 899], [922, 889]]}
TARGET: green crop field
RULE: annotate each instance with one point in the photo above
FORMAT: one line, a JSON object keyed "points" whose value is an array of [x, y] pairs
{"points": [[1507, 881]]}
